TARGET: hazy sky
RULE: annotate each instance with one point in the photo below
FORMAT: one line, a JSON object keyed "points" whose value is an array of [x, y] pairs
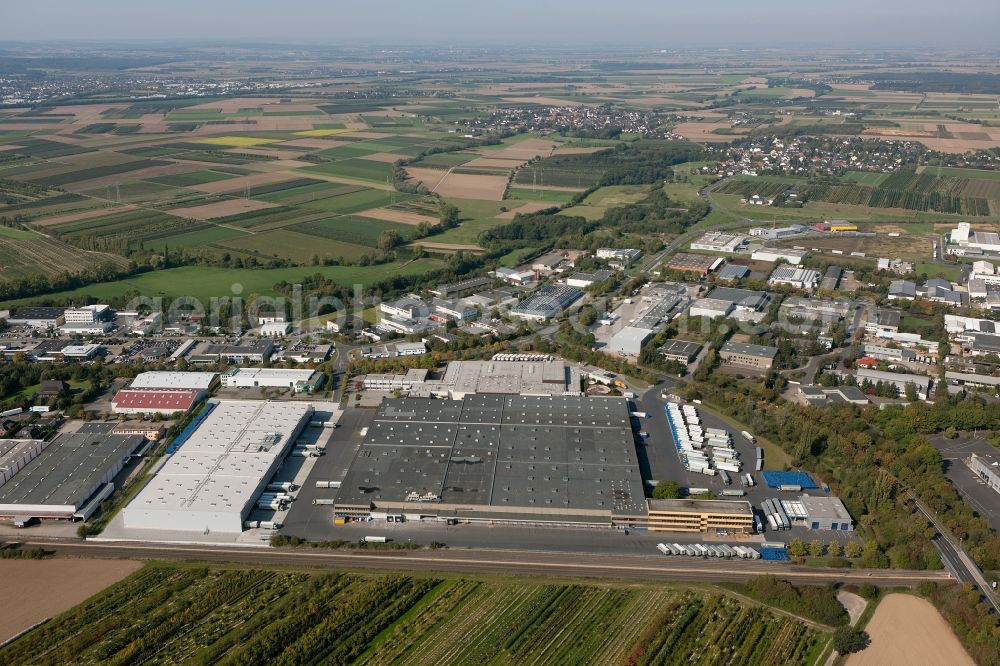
{"points": [[660, 23]]}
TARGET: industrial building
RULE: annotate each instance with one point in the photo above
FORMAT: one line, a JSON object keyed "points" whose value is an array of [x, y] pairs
{"points": [[629, 340], [394, 349], [826, 513], [247, 351], [823, 310], [511, 459], [717, 241], [155, 401], [899, 289], [546, 303], [694, 263], [447, 289], [922, 383], [269, 377], [710, 308], [680, 351], [987, 468], [39, 318], [158, 379], [584, 280], [772, 255], [733, 272], [747, 304], [69, 477], [800, 278], [706, 516], [744, 355], [966, 239], [623, 255], [412, 378], [15, 454], [883, 322], [212, 481], [529, 378]]}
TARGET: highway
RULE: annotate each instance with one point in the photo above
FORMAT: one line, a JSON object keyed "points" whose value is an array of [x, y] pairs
{"points": [[614, 567]]}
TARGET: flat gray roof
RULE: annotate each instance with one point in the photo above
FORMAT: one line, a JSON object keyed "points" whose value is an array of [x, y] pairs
{"points": [[506, 452], [748, 349], [680, 348], [69, 469]]}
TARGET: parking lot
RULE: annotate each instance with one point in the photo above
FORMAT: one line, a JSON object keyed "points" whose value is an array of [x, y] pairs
{"points": [[659, 461], [983, 499]]}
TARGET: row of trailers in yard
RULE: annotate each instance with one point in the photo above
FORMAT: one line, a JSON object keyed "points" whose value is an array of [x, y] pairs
{"points": [[702, 550], [701, 450], [775, 514]]}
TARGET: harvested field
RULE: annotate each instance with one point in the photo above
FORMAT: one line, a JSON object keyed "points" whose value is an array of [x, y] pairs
{"points": [[385, 157], [908, 630], [493, 163], [450, 248], [79, 215], [468, 186], [236, 184], [703, 131], [221, 209], [47, 588], [401, 216], [578, 150], [429, 177], [523, 150]]}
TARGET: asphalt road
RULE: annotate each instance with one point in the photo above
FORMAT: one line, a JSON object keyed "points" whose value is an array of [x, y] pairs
{"points": [[617, 567]]}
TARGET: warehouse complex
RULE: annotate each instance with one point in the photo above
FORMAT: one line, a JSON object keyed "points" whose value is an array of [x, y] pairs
{"points": [[212, 481], [67, 478], [269, 377], [508, 459]]}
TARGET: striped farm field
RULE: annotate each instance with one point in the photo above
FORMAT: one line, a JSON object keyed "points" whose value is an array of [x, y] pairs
{"points": [[323, 132], [215, 615], [354, 169]]}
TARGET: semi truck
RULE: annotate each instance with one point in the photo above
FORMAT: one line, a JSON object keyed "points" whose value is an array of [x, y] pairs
{"points": [[750, 438], [375, 539], [323, 501]]}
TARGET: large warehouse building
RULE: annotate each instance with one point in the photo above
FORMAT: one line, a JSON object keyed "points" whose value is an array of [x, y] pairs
{"points": [[67, 477], [212, 481], [270, 377], [498, 459], [162, 379]]}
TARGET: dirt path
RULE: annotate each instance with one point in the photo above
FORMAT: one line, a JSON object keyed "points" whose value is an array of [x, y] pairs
{"points": [[854, 604], [908, 630], [36, 590]]}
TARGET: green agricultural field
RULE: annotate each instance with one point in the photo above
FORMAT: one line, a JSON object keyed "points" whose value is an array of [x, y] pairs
{"points": [[476, 217], [865, 177], [299, 247], [353, 202], [538, 194], [354, 169], [350, 229], [445, 160], [206, 282], [188, 614], [196, 239], [359, 149]]}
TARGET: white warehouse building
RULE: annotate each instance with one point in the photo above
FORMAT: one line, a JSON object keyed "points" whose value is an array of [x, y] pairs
{"points": [[269, 377], [212, 482], [165, 379]]}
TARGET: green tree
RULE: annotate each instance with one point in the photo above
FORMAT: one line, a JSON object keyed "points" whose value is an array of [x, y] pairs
{"points": [[816, 548], [389, 239], [849, 639], [852, 549], [667, 490], [797, 547], [834, 549]]}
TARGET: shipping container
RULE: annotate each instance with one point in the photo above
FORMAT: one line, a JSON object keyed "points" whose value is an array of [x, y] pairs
{"points": [[733, 492]]}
